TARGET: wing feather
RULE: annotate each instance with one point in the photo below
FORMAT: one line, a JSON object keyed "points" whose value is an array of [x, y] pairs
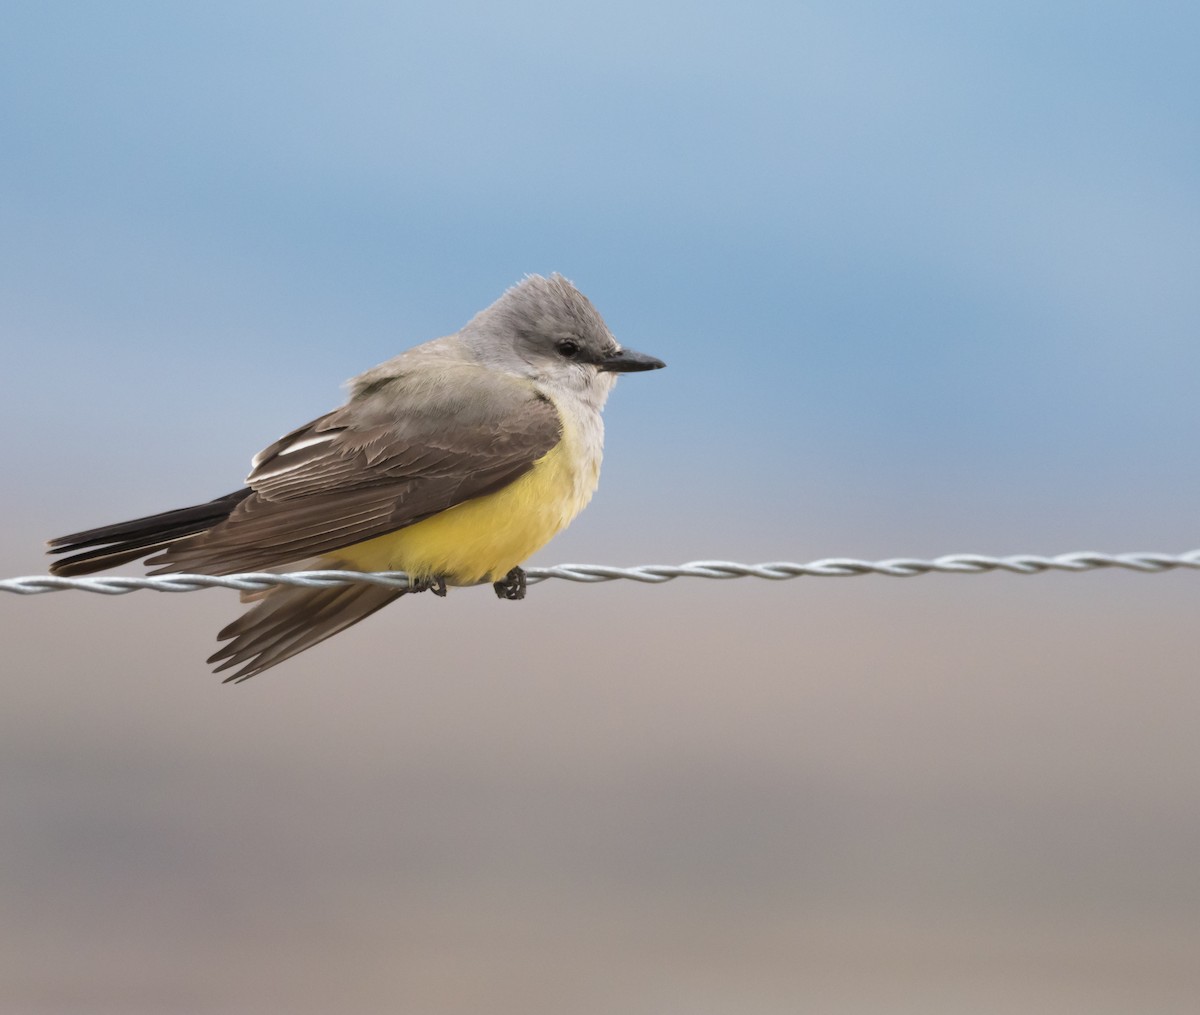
{"points": [[390, 457]]}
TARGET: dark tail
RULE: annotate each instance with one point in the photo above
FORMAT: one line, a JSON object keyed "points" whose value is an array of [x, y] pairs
{"points": [[286, 621], [111, 545]]}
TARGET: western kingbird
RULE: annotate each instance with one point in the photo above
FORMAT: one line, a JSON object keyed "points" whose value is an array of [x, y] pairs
{"points": [[452, 462]]}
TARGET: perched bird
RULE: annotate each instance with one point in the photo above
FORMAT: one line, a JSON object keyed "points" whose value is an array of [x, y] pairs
{"points": [[452, 462]]}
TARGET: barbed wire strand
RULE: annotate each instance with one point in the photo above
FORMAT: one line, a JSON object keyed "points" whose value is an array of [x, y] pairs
{"points": [[655, 574]]}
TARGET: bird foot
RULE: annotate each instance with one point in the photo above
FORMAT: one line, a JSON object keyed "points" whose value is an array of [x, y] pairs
{"points": [[435, 585], [513, 586]]}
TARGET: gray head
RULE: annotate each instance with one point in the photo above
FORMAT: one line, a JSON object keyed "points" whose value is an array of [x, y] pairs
{"points": [[556, 334]]}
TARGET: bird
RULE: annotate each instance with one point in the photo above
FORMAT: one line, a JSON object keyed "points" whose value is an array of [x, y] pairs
{"points": [[452, 462]]}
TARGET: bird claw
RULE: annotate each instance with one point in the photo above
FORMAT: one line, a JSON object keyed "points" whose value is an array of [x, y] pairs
{"points": [[513, 586]]}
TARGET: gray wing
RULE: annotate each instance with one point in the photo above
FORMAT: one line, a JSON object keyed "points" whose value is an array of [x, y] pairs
{"points": [[396, 453]]}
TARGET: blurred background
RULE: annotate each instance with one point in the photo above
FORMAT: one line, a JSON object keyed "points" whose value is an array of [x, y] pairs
{"points": [[925, 276]]}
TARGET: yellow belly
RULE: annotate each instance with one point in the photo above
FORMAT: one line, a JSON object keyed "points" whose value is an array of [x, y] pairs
{"points": [[485, 538]]}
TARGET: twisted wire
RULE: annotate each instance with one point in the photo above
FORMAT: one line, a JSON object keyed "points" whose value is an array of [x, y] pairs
{"points": [[654, 574]]}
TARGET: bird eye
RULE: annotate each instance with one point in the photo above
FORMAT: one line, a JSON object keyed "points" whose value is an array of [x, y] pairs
{"points": [[567, 348]]}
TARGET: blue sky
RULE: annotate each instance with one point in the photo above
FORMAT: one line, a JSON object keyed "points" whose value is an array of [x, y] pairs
{"points": [[941, 255]]}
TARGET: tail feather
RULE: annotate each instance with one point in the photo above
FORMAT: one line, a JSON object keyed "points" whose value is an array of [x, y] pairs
{"points": [[110, 545], [289, 620], [284, 620]]}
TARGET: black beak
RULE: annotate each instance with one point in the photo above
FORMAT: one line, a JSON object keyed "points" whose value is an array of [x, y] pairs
{"points": [[626, 361]]}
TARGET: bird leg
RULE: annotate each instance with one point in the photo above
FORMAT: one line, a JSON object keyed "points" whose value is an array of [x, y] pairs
{"points": [[513, 586]]}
